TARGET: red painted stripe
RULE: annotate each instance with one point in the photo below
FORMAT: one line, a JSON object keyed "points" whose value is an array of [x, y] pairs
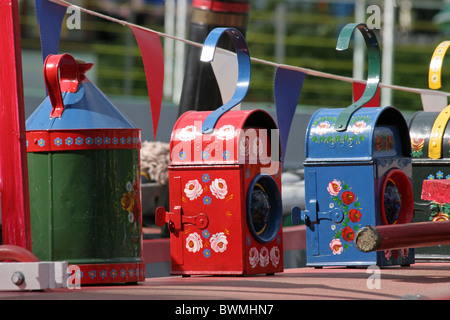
{"points": [[107, 273], [96, 139], [220, 6]]}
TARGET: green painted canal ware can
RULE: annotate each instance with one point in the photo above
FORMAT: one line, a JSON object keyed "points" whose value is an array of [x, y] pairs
{"points": [[430, 141], [84, 177]]}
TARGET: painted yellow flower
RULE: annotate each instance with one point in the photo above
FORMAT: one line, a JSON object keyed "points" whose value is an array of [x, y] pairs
{"points": [[127, 201]]}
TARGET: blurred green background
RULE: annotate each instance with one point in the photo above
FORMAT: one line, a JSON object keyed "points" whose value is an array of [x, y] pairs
{"points": [[299, 33]]}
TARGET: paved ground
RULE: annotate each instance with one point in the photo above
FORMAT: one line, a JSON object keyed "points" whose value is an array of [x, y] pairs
{"points": [[422, 280]]}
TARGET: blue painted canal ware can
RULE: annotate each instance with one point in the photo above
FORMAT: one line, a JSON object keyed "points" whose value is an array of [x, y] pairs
{"points": [[354, 178]]}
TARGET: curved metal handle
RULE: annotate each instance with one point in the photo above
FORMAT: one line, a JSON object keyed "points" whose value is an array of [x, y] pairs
{"points": [[434, 82], [435, 71], [373, 77], [243, 56], [437, 133], [60, 75]]}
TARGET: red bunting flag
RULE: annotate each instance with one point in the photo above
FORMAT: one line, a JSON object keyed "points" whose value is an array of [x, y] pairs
{"points": [[152, 55], [358, 90]]}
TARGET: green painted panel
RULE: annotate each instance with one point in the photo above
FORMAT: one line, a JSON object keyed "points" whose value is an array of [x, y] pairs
{"points": [[85, 206], [426, 211]]}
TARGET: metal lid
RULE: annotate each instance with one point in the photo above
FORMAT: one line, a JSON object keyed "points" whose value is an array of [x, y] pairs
{"points": [[74, 102], [424, 132], [238, 136], [371, 133]]}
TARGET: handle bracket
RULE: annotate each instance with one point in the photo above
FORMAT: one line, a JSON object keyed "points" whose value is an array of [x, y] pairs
{"points": [[373, 52], [209, 49], [60, 75], [176, 219]]}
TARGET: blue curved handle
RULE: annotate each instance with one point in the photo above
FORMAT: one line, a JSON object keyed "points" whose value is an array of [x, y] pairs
{"points": [[243, 56]]}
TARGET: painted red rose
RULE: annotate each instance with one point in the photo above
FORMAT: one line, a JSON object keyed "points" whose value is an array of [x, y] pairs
{"points": [[379, 143], [348, 234], [354, 215], [389, 143], [417, 144], [395, 254], [348, 197]]}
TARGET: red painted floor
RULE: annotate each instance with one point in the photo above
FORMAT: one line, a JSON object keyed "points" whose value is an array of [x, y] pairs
{"points": [[423, 280]]}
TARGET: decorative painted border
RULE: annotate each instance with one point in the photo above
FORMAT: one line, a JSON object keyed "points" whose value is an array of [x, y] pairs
{"points": [[226, 144], [44, 141], [263, 256], [417, 144], [323, 131], [106, 273]]}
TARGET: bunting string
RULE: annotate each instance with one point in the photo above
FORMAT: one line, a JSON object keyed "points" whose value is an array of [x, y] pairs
{"points": [[124, 23], [310, 72]]}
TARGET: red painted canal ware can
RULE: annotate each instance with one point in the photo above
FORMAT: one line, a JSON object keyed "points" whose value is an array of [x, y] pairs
{"points": [[225, 195], [85, 193]]}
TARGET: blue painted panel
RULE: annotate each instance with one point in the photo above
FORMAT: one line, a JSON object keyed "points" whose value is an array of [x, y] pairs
{"points": [[343, 189], [346, 198]]}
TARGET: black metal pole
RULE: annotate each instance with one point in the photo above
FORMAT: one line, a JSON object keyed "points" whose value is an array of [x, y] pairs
{"points": [[200, 90]]}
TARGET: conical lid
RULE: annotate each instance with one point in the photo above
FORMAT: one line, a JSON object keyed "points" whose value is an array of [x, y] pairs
{"points": [[74, 102]]}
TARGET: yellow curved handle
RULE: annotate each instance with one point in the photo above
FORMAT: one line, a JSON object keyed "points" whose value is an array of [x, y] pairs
{"points": [[435, 71], [437, 132], [434, 82]]}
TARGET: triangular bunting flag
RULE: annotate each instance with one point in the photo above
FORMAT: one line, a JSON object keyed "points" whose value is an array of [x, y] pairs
{"points": [[358, 90], [288, 85], [433, 102], [225, 67], [153, 58]]}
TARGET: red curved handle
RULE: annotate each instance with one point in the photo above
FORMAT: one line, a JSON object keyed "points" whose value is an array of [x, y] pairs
{"points": [[16, 254], [60, 75]]}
